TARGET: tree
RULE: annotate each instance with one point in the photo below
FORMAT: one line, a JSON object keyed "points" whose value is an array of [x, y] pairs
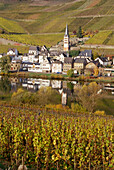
{"points": [[43, 97], [5, 85], [74, 53], [95, 55], [5, 63], [48, 96], [79, 34], [96, 71], [70, 73], [88, 95], [74, 32]]}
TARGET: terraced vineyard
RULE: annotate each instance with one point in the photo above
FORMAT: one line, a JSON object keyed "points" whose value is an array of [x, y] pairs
{"points": [[47, 39], [54, 16], [21, 49], [50, 140], [37, 17], [101, 38], [10, 26]]}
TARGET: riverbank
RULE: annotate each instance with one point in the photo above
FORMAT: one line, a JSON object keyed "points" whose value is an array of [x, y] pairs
{"points": [[59, 77]]}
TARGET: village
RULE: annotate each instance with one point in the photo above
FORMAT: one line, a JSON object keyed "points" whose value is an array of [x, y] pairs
{"points": [[57, 60]]}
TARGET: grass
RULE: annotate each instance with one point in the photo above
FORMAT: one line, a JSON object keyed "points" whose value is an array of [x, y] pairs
{"points": [[106, 104], [39, 75]]}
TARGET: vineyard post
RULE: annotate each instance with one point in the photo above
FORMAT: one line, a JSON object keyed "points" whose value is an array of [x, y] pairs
{"points": [[57, 165], [74, 162], [89, 164], [37, 157]]}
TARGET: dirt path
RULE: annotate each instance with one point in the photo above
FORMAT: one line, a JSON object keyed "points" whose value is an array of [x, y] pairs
{"points": [[97, 46], [9, 42], [94, 16]]}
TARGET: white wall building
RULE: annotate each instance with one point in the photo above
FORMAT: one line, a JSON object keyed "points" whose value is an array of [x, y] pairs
{"points": [[57, 67], [60, 58], [32, 58], [12, 52], [33, 50], [34, 67]]}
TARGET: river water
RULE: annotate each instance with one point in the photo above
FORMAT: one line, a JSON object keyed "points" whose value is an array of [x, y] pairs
{"points": [[11, 84]]}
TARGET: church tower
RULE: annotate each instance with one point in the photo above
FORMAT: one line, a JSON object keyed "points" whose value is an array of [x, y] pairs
{"points": [[66, 39]]}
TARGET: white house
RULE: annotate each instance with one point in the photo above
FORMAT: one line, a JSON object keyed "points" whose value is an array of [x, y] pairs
{"points": [[57, 67], [103, 61], [34, 67], [25, 65], [32, 58], [25, 58], [19, 57], [33, 50], [44, 49], [12, 52], [1, 55], [42, 58], [113, 61], [60, 58], [46, 65]]}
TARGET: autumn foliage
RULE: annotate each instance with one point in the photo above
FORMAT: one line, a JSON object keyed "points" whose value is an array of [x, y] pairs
{"points": [[48, 140]]}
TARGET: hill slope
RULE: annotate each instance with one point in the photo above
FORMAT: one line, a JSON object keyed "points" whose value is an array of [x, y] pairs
{"points": [[10, 26], [52, 15]]}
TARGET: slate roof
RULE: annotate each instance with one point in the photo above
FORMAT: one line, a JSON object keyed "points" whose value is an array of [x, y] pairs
{"points": [[68, 60], [80, 60], [86, 53], [104, 59], [12, 49], [34, 48], [57, 62], [55, 53]]}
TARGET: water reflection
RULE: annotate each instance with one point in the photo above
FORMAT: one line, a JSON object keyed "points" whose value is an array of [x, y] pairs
{"points": [[5, 85], [67, 88]]}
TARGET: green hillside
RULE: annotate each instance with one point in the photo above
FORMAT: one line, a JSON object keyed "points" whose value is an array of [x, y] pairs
{"points": [[103, 37], [10, 26], [47, 39], [52, 17]]}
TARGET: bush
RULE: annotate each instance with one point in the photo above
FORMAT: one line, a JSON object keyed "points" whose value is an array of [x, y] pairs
{"points": [[77, 108], [42, 97], [99, 112], [70, 73]]}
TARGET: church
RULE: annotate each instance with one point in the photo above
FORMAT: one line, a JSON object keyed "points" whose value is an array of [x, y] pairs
{"points": [[66, 40]]}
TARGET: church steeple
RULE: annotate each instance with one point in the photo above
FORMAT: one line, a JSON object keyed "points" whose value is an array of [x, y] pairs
{"points": [[66, 39], [66, 31]]}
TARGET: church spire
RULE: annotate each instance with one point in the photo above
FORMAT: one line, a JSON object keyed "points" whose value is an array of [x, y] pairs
{"points": [[66, 31], [66, 39]]}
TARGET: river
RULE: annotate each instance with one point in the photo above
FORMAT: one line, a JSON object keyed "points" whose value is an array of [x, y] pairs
{"points": [[67, 89]]}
